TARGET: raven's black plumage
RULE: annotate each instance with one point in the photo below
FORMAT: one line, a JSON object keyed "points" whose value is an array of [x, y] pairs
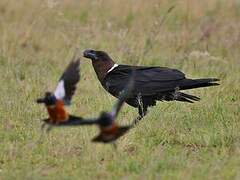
{"points": [[153, 83], [150, 83]]}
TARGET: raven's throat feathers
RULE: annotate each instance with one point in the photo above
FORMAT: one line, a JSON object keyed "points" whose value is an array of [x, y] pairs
{"points": [[102, 67], [57, 113]]}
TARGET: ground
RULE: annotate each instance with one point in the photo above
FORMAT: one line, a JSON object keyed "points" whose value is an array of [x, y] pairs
{"points": [[174, 141]]}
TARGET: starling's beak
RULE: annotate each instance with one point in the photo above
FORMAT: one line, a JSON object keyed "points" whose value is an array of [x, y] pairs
{"points": [[40, 100], [91, 54]]}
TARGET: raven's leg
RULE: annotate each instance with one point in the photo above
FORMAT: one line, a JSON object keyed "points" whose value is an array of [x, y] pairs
{"points": [[140, 105], [142, 110]]}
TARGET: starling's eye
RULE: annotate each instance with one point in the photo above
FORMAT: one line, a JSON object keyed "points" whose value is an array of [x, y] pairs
{"points": [[105, 119], [50, 100]]}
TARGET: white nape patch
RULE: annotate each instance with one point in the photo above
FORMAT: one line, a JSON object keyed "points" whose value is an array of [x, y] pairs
{"points": [[60, 91], [115, 65]]}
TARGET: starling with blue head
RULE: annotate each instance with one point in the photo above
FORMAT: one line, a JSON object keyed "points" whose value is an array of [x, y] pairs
{"points": [[56, 101]]}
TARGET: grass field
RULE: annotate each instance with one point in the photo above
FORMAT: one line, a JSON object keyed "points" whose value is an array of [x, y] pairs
{"points": [[174, 141]]}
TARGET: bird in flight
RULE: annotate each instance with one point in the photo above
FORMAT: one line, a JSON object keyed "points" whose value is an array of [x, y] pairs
{"points": [[110, 131], [55, 101], [151, 84]]}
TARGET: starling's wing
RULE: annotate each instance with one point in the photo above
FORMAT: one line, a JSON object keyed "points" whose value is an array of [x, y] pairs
{"points": [[123, 95], [73, 121], [68, 81], [108, 138]]}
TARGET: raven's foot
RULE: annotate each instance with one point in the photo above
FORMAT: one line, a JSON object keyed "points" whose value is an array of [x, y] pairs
{"points": [[137, 120]]}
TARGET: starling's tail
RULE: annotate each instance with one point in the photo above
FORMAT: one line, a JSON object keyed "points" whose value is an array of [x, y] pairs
{"points": [[197, 83]]}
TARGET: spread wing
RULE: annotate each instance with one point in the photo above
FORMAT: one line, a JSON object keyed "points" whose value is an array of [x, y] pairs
{"points": [[73, 121], [103, 139], [67, 84], [148, 80], [123, 95]]}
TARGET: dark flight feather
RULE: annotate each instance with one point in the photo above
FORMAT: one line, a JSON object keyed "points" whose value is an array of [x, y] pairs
{"points": [[72, 121], [70, 77], [107, 139]]}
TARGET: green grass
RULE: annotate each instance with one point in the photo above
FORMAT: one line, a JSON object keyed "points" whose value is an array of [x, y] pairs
{"points": [[174, 141]]}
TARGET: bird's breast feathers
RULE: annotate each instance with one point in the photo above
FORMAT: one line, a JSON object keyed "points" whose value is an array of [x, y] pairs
{"points": [[108, 130], [108, 133], [57, 113]]}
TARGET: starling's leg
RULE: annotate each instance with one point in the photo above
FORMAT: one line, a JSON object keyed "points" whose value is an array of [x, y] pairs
{"points": [[42, 132], [43, 126], [114, 145], [49, 128], [40, 138]]}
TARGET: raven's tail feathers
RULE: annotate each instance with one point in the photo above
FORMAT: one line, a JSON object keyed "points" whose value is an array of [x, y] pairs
{"points": [[178, 96], [198, 83], [193, 83], [186, 97]]}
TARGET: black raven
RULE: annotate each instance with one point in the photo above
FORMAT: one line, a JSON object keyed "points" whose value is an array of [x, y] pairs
{"points": [[151, 83]]}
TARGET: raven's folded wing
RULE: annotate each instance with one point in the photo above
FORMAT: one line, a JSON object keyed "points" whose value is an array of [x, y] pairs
{"points": [[148, 80]]}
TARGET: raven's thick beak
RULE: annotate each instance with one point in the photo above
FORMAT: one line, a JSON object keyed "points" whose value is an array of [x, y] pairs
{"points": [[91, 54], [40, 100]]}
